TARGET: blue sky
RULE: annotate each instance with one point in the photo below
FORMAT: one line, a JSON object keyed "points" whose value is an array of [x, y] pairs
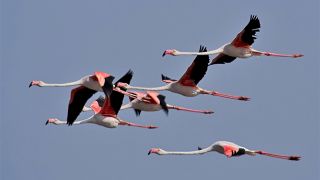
{"points": [[63, 40]]}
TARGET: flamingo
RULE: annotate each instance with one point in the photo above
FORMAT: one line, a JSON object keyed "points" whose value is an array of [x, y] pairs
{"points": [[240, 47], [87, 86], [187, 85], [99, 81], [107, 116], [229, 149], [149, 101]]}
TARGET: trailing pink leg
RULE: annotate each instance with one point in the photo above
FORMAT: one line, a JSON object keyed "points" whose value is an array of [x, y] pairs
{"points": [[190, 110], [277, 55], [125, 123], [293, 158], [241, 98]]}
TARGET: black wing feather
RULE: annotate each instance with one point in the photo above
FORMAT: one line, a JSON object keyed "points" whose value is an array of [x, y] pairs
{"points": [[108, 86], [79, 96], [137, 111], [100, 100], [163, 103], [222, 59], [163, 77], [198, 68], [116, 98], [249, 32]]}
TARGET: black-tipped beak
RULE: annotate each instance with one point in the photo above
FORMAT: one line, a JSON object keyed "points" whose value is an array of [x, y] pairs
{"points": [[164, 53], [30, 84], [149, 152], [47, 122]]}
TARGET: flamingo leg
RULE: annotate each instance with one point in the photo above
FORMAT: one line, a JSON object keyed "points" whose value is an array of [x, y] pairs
{"points": [[215, 93], [125, 123], [189, 110], [293, 158], [260, 53]]}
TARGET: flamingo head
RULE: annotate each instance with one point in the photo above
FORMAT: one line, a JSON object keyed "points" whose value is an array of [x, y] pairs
{"points": [[122, 85], [36, 83], [155, 151], [172, 52], [52, 121]]}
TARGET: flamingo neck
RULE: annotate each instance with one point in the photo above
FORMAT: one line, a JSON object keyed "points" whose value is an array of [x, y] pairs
{"points": [[198, 152], [75, 83], [216, 51], [162, 88]]}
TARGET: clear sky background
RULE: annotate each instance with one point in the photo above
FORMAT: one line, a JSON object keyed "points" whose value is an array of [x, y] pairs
{"points": [[63, 40]]}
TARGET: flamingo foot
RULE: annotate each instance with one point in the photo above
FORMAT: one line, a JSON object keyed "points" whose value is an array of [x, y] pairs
{"points": [[208, 112], [152, 127], [243, 98], [297, 55]]}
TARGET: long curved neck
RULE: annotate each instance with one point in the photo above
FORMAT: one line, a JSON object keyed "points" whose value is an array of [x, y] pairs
{"points": [[216, 51], [75, 83], [89, 120], [198, 152], [162, 88]]}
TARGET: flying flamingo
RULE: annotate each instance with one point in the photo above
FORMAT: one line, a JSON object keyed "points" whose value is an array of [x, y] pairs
{"points": [[107, 116], [99, 81], [187, 85], [87, 86], [229, 149], [140, 101], [240, 47]]}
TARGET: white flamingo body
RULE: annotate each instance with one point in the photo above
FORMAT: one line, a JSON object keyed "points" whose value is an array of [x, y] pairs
{"points": [[241, 52], [188, 91], [88, 82], [136, 104]]}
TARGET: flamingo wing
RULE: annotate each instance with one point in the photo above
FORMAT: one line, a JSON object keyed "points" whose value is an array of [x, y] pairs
{"points": [[157, 98], [112, 106], [78, 99], [222, 59], [97, 104], [105, 80], [100, 100], [166, 79], [163, 103], [247, 36], [230, 150], [137, 112], [196, 70], [138, 94]]}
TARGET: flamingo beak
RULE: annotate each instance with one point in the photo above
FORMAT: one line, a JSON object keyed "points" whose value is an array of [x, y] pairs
{"points": [[149, 152], [164, 53], [30, 84]]}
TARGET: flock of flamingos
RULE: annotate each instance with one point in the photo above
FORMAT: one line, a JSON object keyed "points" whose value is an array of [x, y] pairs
{"points": [[106, 108]]}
